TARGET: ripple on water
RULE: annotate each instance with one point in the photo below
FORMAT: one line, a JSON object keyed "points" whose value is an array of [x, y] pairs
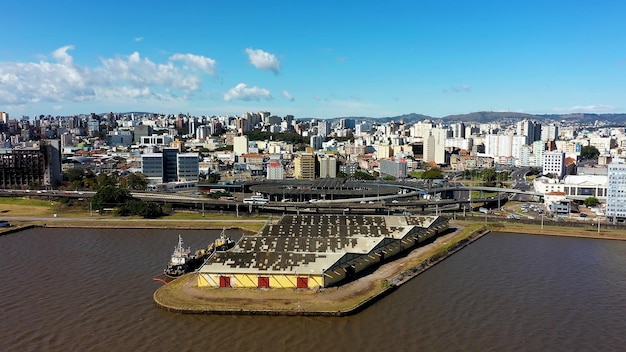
{"points": [[68, 289]]}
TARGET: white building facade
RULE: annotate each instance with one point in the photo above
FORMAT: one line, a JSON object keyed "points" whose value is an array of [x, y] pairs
{"points": [[616, 192]]}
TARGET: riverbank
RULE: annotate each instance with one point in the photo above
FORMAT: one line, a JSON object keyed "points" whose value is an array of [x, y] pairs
{"points": [[581, 230], [183, 296]]}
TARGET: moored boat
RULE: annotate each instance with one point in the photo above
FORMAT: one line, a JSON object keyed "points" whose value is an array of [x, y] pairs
{"points": [[184, 261]]}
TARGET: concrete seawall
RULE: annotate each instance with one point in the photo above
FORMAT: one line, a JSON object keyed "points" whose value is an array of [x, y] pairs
{"points": [[14, 229]]}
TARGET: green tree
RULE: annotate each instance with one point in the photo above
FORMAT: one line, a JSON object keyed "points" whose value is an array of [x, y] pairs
{"points": [[488, 175], [432, 174], [109, 197], [589, 152], [136, 181], [362, 175], [591, 201], [106, 179]]}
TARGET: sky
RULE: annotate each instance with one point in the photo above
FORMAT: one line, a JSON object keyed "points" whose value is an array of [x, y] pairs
{"points": [[312, 59]]}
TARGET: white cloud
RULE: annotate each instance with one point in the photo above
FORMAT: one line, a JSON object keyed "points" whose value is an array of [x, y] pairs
{"points": [[288, 96], [242, 92], [594, 108], [138, 39], [132, 76], [196, 62], [263, 60]]}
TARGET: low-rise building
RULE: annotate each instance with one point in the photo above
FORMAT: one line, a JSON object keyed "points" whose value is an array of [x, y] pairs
{"points": [[312, 251]]}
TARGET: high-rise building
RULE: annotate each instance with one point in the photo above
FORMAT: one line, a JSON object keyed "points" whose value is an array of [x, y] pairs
{"points": [[531, 130], [170, 164], [240, 145], [187, 166], [152, 167], [304, 166], [549, 132], [616, 191], [38, 165], [327, 165], [316, 142]]}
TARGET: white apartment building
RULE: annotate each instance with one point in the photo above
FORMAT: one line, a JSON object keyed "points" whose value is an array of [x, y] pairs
{"points": [[275, 170], [328, 165], [554, 163], [616, 192], [240, 145]]}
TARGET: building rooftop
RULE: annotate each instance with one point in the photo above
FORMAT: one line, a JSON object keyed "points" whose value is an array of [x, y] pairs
{"points": [[313, 243]]}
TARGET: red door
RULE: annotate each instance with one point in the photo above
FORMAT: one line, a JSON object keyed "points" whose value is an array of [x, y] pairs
{"points": [[224, 281], [264, 282], [303, 282]]}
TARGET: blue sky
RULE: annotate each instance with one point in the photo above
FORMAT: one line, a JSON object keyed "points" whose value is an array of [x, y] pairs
{"points": [[312, 58]]}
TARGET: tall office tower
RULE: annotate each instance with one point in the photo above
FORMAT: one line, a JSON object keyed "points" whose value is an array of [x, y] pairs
{"points": [[505, 143], [4, 117], [517, 142], [527, 128], [554, 163], [316, 142], [152, 167], [491, 145], [440, 134], [458, 130], [170, 164], [549, 132], [616, 191], [539, 148], [347, 124], [421, 129], [323, 128], [304, 166], [187, 167]]}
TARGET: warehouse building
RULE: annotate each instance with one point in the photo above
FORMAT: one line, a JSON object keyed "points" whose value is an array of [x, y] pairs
{"points": [[312, 251]]}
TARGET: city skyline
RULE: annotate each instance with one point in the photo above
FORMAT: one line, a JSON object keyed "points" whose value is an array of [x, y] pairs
{"points": [[328, 60]]}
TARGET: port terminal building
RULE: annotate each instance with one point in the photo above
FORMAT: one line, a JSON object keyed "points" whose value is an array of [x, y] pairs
{"points": [[316, 251]]}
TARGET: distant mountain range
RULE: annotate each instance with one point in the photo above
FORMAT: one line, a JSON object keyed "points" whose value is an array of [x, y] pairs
{"points": [[492, 116]]}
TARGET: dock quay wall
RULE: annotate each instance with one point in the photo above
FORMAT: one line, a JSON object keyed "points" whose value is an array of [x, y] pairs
{"points": [[390, 285]]}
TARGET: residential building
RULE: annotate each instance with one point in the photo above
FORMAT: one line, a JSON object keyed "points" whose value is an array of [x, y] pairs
{"points": [[304, 166], [275, 170], [616, 191], [327, 165], [240, 145]]}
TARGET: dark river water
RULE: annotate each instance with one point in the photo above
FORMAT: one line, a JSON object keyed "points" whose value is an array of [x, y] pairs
{"points": [[91, 290]]}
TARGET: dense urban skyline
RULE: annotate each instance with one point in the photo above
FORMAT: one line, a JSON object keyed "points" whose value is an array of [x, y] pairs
{"points": [[327, 60]]}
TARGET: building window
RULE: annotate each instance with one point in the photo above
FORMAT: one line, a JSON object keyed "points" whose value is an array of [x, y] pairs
{"points": [[263, 282], [303, 282], [224, 281]]}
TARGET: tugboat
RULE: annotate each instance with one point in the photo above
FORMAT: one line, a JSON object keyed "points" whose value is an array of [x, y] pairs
{"points": [[183, 261]]}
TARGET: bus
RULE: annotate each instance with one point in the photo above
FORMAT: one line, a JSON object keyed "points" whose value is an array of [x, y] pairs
{"points": [[256, 200]]}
